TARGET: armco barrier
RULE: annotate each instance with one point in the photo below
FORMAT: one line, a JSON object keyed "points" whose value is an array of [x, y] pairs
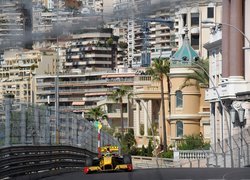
{"points": [[37, 161]]}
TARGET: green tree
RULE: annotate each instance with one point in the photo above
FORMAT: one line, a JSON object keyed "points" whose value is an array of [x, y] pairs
{"points": [[200, 68], [159, 69], [150, 148], [123, 45], [128, 141], [191, 142], [117, 96], [143, 151], [97, 113], [110, 42]]}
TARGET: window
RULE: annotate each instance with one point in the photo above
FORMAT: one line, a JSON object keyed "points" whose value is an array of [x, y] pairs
{"points": [[184, 18], [179, 99], [195, 19], [179, 129], [210, 12], [195, 41]]}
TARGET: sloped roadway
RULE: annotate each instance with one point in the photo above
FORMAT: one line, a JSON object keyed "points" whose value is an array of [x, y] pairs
{"points": [[162, 174]]}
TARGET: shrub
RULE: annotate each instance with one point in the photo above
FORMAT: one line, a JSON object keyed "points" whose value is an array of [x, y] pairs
{"points": [[192, 142]]}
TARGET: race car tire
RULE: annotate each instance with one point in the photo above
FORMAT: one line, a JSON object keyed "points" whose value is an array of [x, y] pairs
{"points": [[127, 159], [88, 162]]}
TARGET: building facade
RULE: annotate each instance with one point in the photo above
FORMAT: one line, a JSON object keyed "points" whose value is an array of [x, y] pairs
{"points": [[19, 68], [230, 77], [15, 24]]}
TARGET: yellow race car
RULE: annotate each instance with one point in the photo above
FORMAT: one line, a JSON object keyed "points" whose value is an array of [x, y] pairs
{"points": [[108, 161]]}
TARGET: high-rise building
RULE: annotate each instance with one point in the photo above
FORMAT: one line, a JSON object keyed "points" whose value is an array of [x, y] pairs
{"points": [[15, 24], [92, 50], [18, 69]]}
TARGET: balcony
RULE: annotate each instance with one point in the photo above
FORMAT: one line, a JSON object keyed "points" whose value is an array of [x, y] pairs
{"points": [[98, 55], [117, 115], [45, 92], [143, 80], [227, 89]]}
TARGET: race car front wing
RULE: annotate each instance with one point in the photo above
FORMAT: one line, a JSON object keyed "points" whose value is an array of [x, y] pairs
{"points": [[127, 167]]}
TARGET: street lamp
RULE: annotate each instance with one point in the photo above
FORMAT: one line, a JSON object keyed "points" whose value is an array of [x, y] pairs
{"points": [[238, 119], [230, 25]]}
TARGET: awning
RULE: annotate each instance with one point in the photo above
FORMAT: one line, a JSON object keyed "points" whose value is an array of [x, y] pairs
{"points": [[81, 103]]}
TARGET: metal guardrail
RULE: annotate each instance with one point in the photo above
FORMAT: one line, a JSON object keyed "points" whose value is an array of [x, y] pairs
{"points": [[32, 161]]}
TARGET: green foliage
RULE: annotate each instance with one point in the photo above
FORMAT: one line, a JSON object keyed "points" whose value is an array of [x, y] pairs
{"points": [[108, 130], [96, 114], [143, 151], [141, 129], [117, 96], [200, 76], [150, 149], [168, 154], [110, 42], [128, 141], [159, 68], [134, 151], [123, 45], [128, 145], [120, 93], [155, 129], [192, 142], [118, 136]]}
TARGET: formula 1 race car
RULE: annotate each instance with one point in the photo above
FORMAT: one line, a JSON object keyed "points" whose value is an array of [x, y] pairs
{"points": [[109, 160]]}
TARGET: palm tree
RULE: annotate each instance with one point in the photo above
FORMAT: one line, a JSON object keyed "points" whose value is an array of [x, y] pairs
{"points": [[97, 113], [200, 75], [118, 96], [159, 69]]}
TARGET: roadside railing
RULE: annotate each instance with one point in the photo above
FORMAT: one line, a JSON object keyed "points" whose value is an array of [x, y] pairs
{"points": [[140, 162], [32, 162], [226, 154]]}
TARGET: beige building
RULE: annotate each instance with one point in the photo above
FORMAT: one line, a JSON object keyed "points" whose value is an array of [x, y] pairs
{"points": [[191, 16], [189, 113], [15, 31], [18, 69], [93, 50]]}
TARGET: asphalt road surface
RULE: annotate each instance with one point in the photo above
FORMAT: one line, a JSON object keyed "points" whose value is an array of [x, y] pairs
{"points": [[162, 174]]}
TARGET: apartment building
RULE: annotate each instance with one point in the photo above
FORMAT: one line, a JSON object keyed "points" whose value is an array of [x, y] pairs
{"points": [[94, 50], [192, 16], [15, 24], [77, 92], [121, 77], [19, 68], [127, 8]]}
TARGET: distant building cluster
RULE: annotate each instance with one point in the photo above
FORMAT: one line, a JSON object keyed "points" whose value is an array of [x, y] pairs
{"points": [[49, 46]]}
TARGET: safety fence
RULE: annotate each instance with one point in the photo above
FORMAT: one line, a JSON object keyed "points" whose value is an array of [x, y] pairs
{"points": [[231, 152], [34, 162], [29, 124]]}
